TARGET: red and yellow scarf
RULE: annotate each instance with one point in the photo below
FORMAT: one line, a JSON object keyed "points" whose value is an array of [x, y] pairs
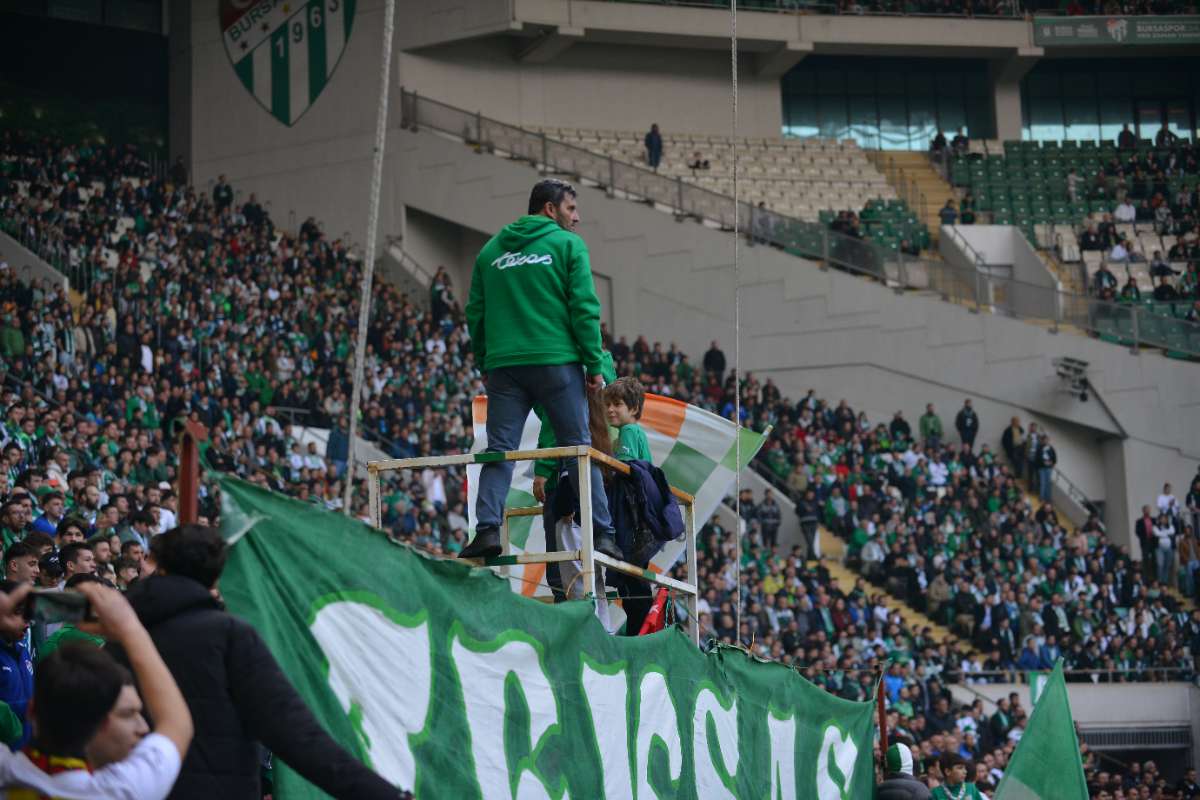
{"points": [[50, 765]]}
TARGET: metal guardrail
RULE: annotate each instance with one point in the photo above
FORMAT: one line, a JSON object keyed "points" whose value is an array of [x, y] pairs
{"points": [[1077, 496], [979, 289], [1132, 674]]}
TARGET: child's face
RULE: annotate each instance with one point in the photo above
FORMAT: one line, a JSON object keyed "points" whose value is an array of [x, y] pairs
{"points": [[619, 414]]}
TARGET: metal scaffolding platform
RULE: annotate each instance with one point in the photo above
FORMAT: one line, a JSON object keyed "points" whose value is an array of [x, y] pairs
{"points": [[586, 555]]}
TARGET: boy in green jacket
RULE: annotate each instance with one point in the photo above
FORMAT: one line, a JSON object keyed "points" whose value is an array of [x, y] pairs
{"points": [[534, 321], [625, 400]]}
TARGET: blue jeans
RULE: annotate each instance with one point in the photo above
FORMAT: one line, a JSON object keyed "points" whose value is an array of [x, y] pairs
{"points": [[1044, 484], [1166, 566], [512, 393]]}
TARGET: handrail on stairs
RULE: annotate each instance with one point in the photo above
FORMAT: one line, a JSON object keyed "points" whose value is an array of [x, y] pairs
{"points": [[407, 260], [1071, 490]]}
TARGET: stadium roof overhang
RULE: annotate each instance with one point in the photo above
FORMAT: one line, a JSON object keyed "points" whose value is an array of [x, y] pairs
{"points": [[542, 30]]}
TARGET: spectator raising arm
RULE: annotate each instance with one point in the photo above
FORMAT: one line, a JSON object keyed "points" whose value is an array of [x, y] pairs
{"points": [[117, 622], [276, 715]]}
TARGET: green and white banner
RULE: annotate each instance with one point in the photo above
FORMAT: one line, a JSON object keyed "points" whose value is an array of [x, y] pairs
{"points": [[1093, 31], [445, 681], [285, 51]]}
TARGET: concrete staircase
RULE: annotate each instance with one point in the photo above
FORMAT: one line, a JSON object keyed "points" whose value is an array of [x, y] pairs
{"points": [[833, 554], [1072, 280], [915, 180]]}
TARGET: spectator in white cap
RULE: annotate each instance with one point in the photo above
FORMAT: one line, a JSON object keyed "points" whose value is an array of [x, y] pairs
{"points": [[898, 781]]}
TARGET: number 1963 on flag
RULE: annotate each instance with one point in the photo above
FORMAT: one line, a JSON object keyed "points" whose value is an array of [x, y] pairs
{"points": [[285, 51]]}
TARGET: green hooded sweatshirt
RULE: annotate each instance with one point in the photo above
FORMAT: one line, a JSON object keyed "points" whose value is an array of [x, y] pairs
{"points": [[532, 299]]}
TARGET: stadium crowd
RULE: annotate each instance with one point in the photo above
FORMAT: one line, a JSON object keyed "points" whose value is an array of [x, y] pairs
{"points": [[198, 307], [1154, 191], [190, 312]]}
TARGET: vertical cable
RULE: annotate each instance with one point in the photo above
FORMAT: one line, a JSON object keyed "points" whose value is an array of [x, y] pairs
{"points": [[737, 333], [364, 308]]}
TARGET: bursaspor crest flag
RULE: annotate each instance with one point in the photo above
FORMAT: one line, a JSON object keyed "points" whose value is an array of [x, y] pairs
{"points": [[694, 448], [285, 51], [444, 680]]}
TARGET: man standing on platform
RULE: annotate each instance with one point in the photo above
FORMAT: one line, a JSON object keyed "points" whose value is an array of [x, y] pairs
{"points": [[534, 321]]}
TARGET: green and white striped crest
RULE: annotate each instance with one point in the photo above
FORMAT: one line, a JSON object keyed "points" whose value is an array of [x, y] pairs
{"points": [[285, 51]]}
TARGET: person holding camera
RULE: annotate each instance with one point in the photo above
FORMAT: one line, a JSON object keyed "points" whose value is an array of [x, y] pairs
{"points": [[90, 737]]}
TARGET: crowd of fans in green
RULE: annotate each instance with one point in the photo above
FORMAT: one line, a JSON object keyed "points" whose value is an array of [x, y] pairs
{"points": [[198, 307]]}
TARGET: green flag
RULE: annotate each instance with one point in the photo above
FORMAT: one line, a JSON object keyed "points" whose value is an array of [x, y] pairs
{"points": [[447, 682], [1046, 763]]}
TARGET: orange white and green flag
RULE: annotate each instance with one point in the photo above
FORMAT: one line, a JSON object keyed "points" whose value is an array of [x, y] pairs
{"points": [[695, 449]]}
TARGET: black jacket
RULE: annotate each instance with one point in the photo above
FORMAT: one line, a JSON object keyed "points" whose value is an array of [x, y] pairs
{"points": [[902, 787], [239, 696], [645, 515]]}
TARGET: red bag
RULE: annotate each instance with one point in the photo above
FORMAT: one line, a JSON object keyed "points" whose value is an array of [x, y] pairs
{"points": [[656, 614]]}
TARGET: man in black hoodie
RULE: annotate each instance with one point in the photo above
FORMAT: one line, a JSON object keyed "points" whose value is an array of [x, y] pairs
{"points": [[237, 693]]}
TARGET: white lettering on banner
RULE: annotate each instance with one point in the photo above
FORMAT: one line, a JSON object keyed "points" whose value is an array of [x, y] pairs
{"points": [[782, 731], [485, 675], [510, 260], [380, 645], [657, 721], [708, 781], [362, 642], [844, 752], [608, 701]]}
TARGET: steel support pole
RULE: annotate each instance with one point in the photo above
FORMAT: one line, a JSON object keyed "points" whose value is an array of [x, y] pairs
{"points": [[689, 518], [373, 497], [587, 553]]}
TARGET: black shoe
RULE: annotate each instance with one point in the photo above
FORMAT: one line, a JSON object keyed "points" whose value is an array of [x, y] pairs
{"points": [[486, 544], [604, 544]]}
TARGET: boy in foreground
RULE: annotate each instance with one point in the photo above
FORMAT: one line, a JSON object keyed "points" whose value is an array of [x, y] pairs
{"points": [[90, 739]]}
